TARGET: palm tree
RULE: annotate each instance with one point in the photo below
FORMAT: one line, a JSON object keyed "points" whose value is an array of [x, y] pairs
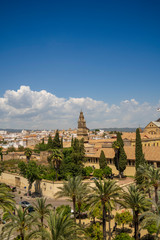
{"points": [[61, 227], [28, 153], [55, 159], [81, 198], [136, 200], [152, 217], [154, 175], [71, 189], [6, 198], [143, 179], [150, 176], [18, 224], [41, 211], [105, 193], [116, 147]]}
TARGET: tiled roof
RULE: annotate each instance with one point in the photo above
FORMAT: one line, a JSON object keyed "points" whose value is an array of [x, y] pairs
{"points": [[151, 153]]}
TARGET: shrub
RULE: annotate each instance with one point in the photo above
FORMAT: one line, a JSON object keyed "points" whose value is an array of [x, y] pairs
{"points": [[65, 208], [123, 218], [95, 231], [152, 228], [107, 171], [98, 173], [123, 236], [87, 171]]}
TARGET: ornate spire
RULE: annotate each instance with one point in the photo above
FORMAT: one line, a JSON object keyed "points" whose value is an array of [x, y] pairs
{"points": [[82, 131]]}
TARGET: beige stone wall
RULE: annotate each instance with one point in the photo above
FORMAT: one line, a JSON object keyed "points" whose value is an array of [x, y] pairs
{"points": [[13, 155], [42, 157], [47, 188]]}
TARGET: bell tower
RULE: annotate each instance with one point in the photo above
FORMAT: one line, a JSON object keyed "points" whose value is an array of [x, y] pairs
{"points": [[82, 131]]}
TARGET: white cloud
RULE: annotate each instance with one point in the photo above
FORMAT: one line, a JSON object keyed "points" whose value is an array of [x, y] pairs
{"points": [[25, 108]]}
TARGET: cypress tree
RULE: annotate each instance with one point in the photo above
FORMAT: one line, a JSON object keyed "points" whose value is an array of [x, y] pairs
{"points": [[139, 156], [119, 139], [102, 160], [50, 142], [72, 142], [122, 160], [56, 140], [61, 142]]}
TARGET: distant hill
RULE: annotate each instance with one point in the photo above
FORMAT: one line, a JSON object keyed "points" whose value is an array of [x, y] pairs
{"points": [[11, 130], [118, 129]]}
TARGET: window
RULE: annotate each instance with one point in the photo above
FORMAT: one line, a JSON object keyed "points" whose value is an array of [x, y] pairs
{"points": [[158, 164]]}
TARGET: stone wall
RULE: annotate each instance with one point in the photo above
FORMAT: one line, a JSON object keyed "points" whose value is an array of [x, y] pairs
{"points": [[45, 187]]}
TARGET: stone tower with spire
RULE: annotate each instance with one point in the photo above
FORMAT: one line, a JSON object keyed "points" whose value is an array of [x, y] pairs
{"points": [[82, 131]]}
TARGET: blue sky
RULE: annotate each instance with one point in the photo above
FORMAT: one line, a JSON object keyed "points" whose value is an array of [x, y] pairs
{"points": [[108, 51]]}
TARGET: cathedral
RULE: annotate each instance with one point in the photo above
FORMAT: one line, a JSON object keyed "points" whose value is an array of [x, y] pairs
{"points": [[82, 131]]}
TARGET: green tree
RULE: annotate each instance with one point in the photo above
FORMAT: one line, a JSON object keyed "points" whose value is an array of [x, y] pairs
{"points": [[72, 142], [68, 166], [55, 159], [1, 153], [154, 176], [28, 153], [139, 156], [63, 227], [98, 173], [142, 178], [56, 140], [65, 208], [19, 224], [151, 219], [42, 146], [78, 153], [41, 212], [122, 161], [119, 139], [61, 142], [81, 198], [21, 148], [123, 236], [87, 171], [148, 177], [11, 149], [123, 218], [31, 171], [107, 171], [6, 198], [95, 231], [116, 147], [105, 194], [135, 200], [71, 189], [102, 160], [120, 155], [50, 142]]}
